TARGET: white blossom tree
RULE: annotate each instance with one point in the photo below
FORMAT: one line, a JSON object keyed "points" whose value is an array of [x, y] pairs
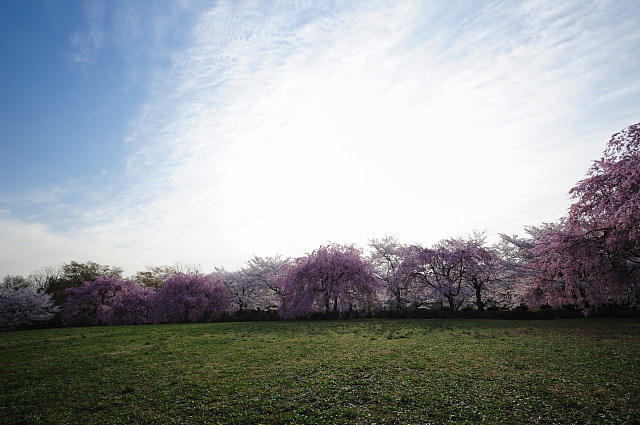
{"points": [[25, 307]]}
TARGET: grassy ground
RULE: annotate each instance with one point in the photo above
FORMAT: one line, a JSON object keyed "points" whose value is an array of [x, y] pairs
{"points": [[326, 372]]}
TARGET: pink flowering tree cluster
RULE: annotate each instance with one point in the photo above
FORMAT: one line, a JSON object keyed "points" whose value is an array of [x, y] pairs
{"points": [[453, 271], [591, 259], [25, 307], [107, 300], [189, 298], [110, 300], [254, 287], [332, 278], [131, 306]]}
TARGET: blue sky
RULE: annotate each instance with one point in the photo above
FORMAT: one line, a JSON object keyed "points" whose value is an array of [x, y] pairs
{"points": [[137, 133]]}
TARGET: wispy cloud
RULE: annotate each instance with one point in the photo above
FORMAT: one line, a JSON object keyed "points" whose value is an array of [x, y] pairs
{"points": [[279, 128], [87, 42]]}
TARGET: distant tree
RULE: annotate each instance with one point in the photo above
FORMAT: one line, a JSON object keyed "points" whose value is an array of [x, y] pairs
{"points": [[439, 269], [483, 269], [156, 276], [25, 307], [593, 260], [14, 282], [45, 277], [106, 300], [519, 258], [241, 292], [261, 273], [75, 274], [189, 298], [386, 257], [333, 278], [130, 306]]}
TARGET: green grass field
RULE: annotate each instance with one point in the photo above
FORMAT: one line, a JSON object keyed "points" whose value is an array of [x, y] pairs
{"points": [[326, 372]]}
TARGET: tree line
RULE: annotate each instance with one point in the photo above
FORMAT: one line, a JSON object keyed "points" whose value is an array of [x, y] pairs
{"points": [[588, 260]]}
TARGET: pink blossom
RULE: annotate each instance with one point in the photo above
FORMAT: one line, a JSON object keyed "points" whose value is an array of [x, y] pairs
{"points": [[189, 298], [332, 278]]}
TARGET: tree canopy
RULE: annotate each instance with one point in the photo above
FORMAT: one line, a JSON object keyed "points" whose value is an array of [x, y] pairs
{"points": [[332, 278], [592, 258]]}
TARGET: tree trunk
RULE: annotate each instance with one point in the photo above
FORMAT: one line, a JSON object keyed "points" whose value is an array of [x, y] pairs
{"points": [[398, 301], [479, 302], [452, 304]]}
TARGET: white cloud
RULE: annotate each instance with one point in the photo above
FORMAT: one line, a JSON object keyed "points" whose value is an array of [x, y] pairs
{"points": [[425, 122], [23, 244], [343, 130]]}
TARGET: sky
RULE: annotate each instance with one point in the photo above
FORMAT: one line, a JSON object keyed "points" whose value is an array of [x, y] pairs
{"points": [[137, 133]]}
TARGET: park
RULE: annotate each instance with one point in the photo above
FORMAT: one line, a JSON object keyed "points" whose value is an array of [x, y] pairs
{"points": [[365, 371]]}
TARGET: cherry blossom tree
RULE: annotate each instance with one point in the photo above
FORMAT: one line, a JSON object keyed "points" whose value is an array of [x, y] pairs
{"points": [[608, 200], [262, 274], [455, 270], [482, 268], [519, 258], [577, 268], [440, 269], [593, 259], [189, 298], [25, 307], [332, 278], [242, 293], [130, 306], [106, 300], [386, 258]]}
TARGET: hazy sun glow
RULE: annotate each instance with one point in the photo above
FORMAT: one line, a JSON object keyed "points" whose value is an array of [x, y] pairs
{"points": [[269, 129]]}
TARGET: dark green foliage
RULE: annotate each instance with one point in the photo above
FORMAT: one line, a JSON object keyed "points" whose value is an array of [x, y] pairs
{"points": [[326, 372]]}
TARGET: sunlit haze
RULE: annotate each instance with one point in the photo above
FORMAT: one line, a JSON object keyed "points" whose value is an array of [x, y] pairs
{"points": [[137, 133]]}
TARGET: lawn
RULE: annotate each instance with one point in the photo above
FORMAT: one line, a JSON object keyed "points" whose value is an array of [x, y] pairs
{"points": [[326, 372]]}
